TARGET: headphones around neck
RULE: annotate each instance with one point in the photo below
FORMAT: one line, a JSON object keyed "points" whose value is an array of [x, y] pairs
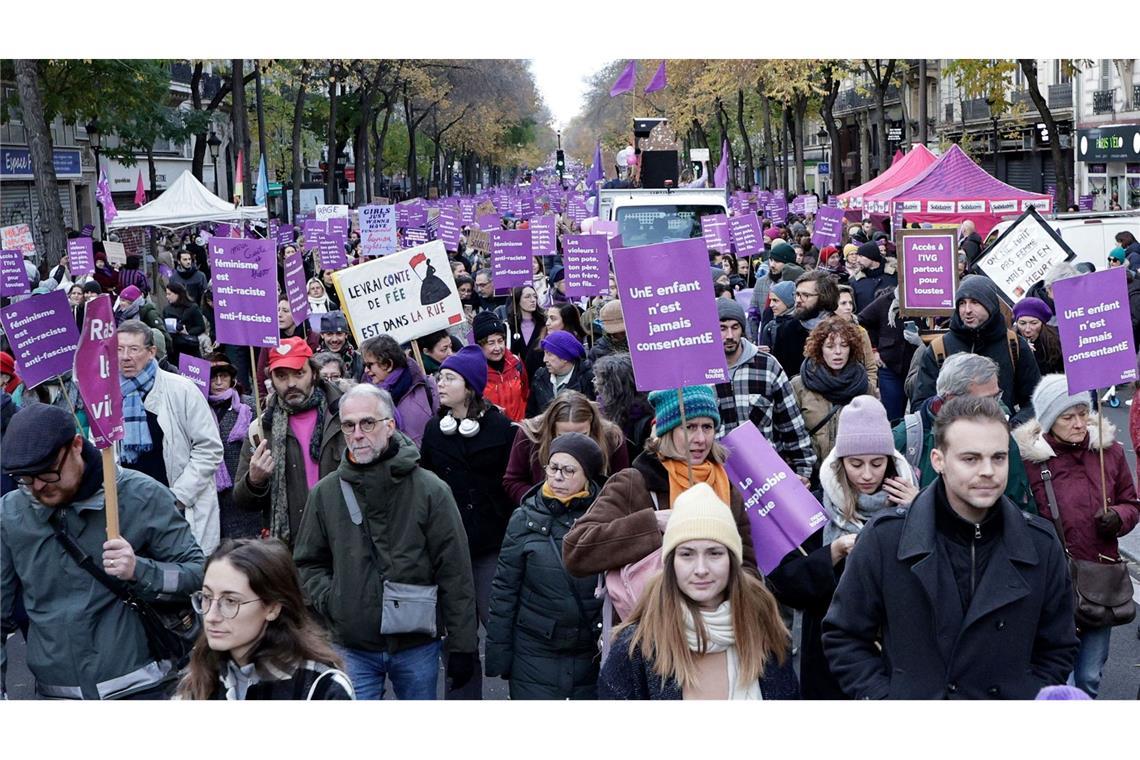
{"points": [[467, 428]]}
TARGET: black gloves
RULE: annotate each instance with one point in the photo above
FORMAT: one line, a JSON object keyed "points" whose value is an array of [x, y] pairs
{"points": [[1108, 524], [461, 666]]}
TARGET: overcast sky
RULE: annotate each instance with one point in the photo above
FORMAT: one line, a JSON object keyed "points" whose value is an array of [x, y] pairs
{"points": [[560, 79]]}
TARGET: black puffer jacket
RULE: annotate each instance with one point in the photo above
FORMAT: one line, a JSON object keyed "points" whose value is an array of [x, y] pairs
{"points": [[474, 468], [539, 636]]}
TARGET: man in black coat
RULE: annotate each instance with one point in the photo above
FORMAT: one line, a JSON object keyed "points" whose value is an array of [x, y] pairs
{"points": [[875, 278], [969, 597]]}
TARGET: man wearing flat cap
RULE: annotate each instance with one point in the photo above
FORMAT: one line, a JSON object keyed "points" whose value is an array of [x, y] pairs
{"points": [[83, 643]]}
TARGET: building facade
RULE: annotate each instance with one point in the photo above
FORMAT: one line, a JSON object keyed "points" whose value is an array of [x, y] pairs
{"points": [[1107, 156]]}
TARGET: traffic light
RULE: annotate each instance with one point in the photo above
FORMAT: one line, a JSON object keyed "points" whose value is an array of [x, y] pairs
{"points": [[560, 162]]}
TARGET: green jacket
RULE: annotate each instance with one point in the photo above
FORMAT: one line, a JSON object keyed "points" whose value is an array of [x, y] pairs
{"points": [[83, 643], [1017, 488], [418, 537]]}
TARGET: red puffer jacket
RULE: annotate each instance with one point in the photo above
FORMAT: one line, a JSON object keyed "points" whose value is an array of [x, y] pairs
{"points": [[1075, 470], [510, 388]]}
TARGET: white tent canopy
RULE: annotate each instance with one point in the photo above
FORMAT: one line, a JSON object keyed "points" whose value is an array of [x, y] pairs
{"points": [[185, 202]]}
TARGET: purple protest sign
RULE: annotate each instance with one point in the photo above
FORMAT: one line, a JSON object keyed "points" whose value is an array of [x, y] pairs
{"points": [[274, 225], [285, 234], [928, 272], [13, 275], [1096, 329], [449, 228], [96, 372], [410, 215], [577, 209], [80, 257], [312, 231], [196, 371], [338, 225], [833, 201], [543, 236], [1085, 203], [714, 229], [607, 228], [781, 512], [776, 208], [43, 335], [330, 250], [511, 258], [828, 229], [670, 314], [798, 204], [489, 222], [587, 264], [295, 286], [746, 236], [245, 291]]}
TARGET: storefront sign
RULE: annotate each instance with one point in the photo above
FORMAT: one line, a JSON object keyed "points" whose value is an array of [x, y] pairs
{"points": [[1109, 144], [16, 163]]}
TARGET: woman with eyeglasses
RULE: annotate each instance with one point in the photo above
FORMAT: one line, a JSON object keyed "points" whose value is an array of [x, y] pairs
{"points": [[543, 631], [258, 641]]}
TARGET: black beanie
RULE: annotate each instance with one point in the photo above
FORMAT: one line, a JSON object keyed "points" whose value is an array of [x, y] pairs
{"points": [[871, 251], [487, 324], [980, 289], [583, 449]]}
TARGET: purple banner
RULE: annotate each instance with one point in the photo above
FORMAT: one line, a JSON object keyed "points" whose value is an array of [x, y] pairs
{"points": [[245, 291], [80, 257], [746, 237], [43, 335], [196, 371], [296, 287], [1096, 329], [928, 264], [543, 236], [449, 228], [828, 228], [13, 275], [781, 512], [587, 262], [714, 229], [776, 209], [511, 258], [330, 249], [670, 314], [96, 372]]}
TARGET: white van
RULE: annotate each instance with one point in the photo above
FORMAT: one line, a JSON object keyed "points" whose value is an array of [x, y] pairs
{"points": [[1091, 235]]}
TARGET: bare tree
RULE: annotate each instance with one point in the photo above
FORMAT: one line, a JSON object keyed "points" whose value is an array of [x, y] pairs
{"points": [[52, 239]]}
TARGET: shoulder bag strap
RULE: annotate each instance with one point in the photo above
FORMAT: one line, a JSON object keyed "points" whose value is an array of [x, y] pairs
{"points": [[112, 584], [1047, 478], [357, 518], [569, 581], [831, 413]]}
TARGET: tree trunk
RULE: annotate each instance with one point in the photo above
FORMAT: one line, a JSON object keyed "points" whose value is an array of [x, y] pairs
{"points": [[331, 161], [1029, 68], [881, 118], [152, 173], [378, 150], [749, 166], [298, 158], [827, 113], [769, 145], [413, 174], [51, 239], [799, 112], [789, 138], [241, 128], [199, 159]]}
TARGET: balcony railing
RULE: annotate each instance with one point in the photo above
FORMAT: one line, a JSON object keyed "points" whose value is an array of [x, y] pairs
{"points": [[1060, 96], [182, 72], [949, 112], [852, 99], [976, 109], [1136, 97], [1104, 101]]}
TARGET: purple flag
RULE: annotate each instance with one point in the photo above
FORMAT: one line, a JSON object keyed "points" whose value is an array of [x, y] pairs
{"points": [[587, 262], [80, 257], [103, 193], [746, 236], [43, 335], [658, 81], [295, 286], [1096, 329], [828, 228], [781, 511], [96, 372], [511, 258], [13, 275], [543, 236], [245, 291], [597, 172], [720, 176], [625, 82], [196, 371], [670, 314]]}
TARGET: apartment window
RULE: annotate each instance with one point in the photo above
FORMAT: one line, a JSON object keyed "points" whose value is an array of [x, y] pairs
{"points": [[13, 107], [1061, 73], [1105, 74]]}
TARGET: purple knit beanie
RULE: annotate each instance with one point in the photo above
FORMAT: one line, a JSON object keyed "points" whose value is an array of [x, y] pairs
{"points": [[564, 345], [1032, 307], [470, 364], [864, 429]]}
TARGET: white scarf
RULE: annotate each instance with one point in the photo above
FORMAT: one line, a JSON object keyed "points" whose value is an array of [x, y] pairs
{"points": [[721, 638]]}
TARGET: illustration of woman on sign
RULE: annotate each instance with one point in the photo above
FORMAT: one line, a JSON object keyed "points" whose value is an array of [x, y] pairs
{"points": [[432, 289]]}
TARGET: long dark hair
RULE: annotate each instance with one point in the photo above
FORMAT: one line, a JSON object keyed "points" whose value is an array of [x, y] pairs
{"points": [[571, 320], [288, 641]]}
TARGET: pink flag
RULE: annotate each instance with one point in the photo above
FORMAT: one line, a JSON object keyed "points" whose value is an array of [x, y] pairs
{"points": [[658, 81], [96, 372], [626, 82], [140, 192], [720, 176], [103, 193]]}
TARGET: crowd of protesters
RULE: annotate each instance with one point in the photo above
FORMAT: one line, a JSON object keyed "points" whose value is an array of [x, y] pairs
{"points": [[386, 513]]}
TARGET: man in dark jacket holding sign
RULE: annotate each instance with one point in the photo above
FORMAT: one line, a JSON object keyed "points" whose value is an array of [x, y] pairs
{"points": [[381, 544], [961, 596]]}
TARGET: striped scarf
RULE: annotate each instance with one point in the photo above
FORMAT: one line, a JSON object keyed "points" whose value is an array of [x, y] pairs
{"points": [[136, 434]]}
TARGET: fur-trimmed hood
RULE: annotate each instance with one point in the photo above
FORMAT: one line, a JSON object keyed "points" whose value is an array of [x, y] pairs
{"points": [[829, 481], [1034, 448]]}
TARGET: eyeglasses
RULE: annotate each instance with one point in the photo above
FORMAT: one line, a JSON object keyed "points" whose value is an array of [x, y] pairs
{"points": [[563, 471], [366, 425], [227, 605], [802, 294], [49, 476], [132, 350]]}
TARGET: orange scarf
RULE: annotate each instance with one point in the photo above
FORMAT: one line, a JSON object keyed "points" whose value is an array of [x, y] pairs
{"points": [[548, 493], [705, 472]]}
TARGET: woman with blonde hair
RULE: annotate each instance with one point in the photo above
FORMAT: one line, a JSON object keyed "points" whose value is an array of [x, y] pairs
{"points": [[570, 412], [703, 628]]}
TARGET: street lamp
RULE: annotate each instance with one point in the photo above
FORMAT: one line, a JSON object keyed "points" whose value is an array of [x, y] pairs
{"points": [[96, 139], [215, 147], [824, 141]]}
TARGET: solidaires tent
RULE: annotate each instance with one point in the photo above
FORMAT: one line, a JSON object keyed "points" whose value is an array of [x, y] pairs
{"points": [[185, 202]]}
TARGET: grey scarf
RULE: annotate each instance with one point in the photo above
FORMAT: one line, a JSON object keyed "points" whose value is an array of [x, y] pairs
{"points": [[866, 507]]}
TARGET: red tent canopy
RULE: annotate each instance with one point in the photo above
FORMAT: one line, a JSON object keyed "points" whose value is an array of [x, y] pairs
{"points": [[901, 171], [953, 190]]}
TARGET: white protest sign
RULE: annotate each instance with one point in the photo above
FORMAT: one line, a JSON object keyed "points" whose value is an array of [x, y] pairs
{"points": [[405, 295], [17, 237], [116, 252], [325, 212], [378, 230], [1022, 256]]}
